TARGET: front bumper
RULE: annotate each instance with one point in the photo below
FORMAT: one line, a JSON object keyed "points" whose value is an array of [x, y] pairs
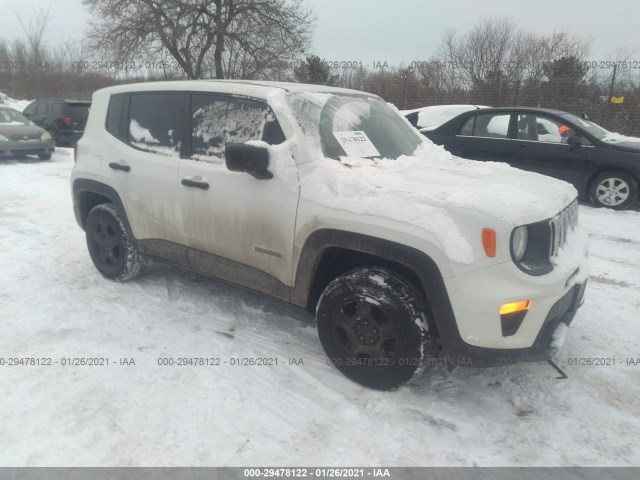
{"points": [[478, 336], [35, 147], [562, 312]]}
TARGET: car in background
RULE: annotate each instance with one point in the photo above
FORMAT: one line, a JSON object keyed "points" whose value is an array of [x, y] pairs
{"points": [[603, 166], [63, 119], [428, 118], [20, 136]]}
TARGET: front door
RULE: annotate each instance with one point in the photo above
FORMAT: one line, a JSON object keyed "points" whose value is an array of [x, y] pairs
{"points": [[540, 145], [234, 215]]}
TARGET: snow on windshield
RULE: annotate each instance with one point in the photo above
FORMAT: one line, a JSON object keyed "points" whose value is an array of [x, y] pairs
{"points": [[333, 123], [10, 117]]}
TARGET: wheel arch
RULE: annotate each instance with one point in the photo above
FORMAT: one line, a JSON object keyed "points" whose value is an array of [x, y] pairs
{"points": [[328, 253], [609, 168], [89, 193]]}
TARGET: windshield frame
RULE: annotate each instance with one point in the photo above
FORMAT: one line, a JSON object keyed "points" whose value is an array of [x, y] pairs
{"points": [[308, 110]]}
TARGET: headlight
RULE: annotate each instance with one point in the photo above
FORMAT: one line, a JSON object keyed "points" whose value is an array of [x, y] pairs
{"points": [[45, 136], [519, 242], [3, 138]]}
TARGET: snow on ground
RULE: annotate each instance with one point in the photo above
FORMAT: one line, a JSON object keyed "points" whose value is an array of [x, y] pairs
{"points": [[54, 304]]}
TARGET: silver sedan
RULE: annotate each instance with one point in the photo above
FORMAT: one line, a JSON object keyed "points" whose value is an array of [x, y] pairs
{"points": [[20, 136]]}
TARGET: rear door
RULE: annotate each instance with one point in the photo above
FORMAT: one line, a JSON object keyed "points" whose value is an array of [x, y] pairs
{"points": [[230, 214], [485, 136], [142, 164]]}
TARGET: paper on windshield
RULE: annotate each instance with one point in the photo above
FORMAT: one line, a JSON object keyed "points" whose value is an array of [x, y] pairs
{"points": [[356, 144]]}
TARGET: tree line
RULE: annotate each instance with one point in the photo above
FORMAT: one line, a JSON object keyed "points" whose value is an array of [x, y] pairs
{"points": [[495, 63]]}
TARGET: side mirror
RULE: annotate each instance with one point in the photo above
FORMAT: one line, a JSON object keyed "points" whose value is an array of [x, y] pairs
{"points": [[574, 141], [250, 159]]}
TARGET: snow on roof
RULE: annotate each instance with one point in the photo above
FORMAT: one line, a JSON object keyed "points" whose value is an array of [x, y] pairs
{"points": [[253, 88], [436, 115], [7, 101]]}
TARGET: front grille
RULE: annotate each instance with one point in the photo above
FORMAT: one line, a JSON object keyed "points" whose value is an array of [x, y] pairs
{"points": [[25, 137], [561, 225]]}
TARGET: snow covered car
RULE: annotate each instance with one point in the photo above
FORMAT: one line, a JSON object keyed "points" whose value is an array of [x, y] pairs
{"points": [[20, 136], [328, 199]]}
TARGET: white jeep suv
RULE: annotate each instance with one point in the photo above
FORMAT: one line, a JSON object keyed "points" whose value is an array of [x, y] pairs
{"points": [[328, 199]]}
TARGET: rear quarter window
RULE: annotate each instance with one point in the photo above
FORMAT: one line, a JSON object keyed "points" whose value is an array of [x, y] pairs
{"points": [[114, 116]]}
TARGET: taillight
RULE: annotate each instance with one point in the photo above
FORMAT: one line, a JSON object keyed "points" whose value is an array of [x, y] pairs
{"points": [[66, 119]]}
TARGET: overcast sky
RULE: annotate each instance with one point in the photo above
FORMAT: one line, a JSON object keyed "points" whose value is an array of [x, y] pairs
{"points": [[398, 30]]}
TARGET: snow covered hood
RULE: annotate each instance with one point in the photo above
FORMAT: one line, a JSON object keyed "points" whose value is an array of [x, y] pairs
{"points": [[435, 178]]}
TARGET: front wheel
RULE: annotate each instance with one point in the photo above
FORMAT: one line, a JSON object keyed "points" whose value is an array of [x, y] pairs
{"points": [[374, 327], [110, 247], [44, 156], [617, 190]]}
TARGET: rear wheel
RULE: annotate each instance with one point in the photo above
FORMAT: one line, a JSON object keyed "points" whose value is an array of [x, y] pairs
{"points": [[111, 249], [373, 326], [617, 190], [44, 156]]}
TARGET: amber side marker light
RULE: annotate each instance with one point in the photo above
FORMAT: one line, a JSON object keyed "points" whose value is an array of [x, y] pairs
{"points": [[489, 241], [514, 307]]}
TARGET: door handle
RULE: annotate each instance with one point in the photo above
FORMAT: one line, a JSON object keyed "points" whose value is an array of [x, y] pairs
{"points": [[188, 182], [119, 166], [521, 147]]}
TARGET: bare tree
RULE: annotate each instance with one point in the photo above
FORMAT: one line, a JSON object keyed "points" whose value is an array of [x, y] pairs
{"points": [[250, 34], [34, 29]]}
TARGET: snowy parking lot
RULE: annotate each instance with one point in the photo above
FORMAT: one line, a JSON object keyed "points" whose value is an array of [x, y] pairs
{"points": [[135, 408]]}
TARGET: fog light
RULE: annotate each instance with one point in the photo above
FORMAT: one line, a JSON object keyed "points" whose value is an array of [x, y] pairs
{"points": [[508, 308], [512, 315]]}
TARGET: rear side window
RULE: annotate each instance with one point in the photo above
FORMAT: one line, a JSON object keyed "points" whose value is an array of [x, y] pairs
{"points": [[155, 122], [42, 109], [467, 128], [114, 115], [57, 108], [217, 120], [492, 125]]}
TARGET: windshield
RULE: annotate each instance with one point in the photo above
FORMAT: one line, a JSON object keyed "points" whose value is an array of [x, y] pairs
{"points": [[599, 132], [12, 117], [353, 126]]}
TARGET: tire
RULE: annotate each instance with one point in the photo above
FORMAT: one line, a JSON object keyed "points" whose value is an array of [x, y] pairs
{"points": [[44, 156], [111, 250], [374, 327], [617, 190]]}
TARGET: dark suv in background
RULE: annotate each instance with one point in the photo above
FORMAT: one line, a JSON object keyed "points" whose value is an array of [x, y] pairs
{"points": [[64, 119]]}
